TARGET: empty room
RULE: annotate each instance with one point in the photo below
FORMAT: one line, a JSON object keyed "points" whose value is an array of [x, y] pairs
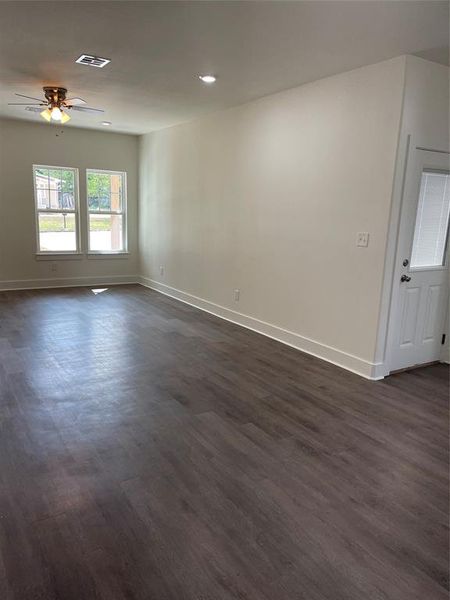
{"points": [[224, 300]]}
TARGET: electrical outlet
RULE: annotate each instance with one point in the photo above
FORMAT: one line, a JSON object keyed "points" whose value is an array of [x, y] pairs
{"points": [[53, 267], [161, 270], [237, 294], [362, 239]]}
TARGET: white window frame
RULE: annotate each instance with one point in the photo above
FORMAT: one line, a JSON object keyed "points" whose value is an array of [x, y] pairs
{"points": [[75, 211], [123, 213]]}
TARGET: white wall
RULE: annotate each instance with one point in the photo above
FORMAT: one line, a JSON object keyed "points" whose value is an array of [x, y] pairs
{"points": [[268, 197], [426, 103], [23, 144]]}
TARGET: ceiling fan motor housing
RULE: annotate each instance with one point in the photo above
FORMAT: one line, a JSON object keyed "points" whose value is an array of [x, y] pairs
{"points": [[55, 95]]}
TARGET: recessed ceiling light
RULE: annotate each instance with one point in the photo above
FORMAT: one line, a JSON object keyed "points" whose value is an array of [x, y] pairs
{"points": [[92, 61], [207, 78], [106, 123]]}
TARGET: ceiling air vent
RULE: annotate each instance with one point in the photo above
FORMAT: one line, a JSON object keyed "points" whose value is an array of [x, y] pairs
{"points": [[92, 61]]}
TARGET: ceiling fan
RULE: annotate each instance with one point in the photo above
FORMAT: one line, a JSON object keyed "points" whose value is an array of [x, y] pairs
{"points": [[55, 104]]}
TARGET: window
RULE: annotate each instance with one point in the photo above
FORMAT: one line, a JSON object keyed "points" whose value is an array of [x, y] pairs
{"points": [[56, 200], [431, 229], [107, 201]]}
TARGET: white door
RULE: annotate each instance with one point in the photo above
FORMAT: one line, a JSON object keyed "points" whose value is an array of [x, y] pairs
{"points": [[420, 295]]}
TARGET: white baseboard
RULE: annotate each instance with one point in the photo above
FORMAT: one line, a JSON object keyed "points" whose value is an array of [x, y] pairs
{"points": [[57, 282], [337, 357]]}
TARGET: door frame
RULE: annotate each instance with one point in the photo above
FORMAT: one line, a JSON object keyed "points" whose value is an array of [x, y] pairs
{"points": [[387, 348]]}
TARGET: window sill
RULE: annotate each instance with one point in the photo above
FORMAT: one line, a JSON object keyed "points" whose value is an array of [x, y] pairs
{"points": [[107, 255], [59, 256]]}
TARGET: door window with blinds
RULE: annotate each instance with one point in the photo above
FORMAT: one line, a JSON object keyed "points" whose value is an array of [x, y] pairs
{"points": [[107, 205], [432, 220]]}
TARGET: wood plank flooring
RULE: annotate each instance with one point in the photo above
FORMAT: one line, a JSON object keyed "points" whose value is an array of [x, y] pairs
{"points": [[149, 451]]}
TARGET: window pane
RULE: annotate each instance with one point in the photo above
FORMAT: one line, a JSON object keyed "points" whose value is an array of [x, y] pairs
{"points": [[41, 178], [67, 200], [93, 203], [430, 233], [41, 172], [116, 202], [99, 191], [67, 181], [42, 198], [55, 188], [54, 179], [57, 232], [116, 189], [105, 233], [56, 199]]}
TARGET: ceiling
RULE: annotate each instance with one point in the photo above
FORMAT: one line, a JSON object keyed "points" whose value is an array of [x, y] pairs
{"points": [[157, 50]]}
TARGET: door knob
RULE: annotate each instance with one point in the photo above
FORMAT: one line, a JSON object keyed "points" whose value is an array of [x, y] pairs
{"points": [[405, 278]]}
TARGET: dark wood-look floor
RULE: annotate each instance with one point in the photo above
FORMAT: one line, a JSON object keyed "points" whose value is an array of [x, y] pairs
{"points": [[150, 451]]}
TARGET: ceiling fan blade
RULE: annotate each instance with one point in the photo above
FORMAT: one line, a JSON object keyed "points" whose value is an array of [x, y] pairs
{"points": [[24, 104], [74, 101], [88, 109], [30, 97]]}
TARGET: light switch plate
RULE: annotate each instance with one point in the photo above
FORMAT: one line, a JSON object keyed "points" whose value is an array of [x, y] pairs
{"points": [[362, 239]]}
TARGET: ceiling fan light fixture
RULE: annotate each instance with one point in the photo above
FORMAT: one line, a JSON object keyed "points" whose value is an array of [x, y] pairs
{"points": [[47, 115], [54, 106], [56, 113], [64, 118]]}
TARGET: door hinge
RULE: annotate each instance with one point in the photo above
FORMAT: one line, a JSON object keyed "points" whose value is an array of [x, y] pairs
{"points": [[443, 339]]}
